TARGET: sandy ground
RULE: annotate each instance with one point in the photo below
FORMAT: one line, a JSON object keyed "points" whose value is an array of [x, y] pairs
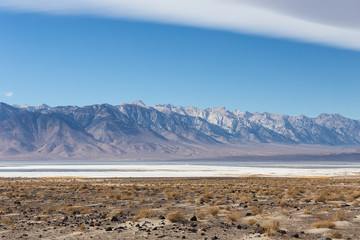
{"points": [[180, 208]]}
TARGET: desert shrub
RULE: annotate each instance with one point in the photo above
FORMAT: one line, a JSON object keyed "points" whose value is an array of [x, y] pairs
{"points": [[117, 212], [234, 216], [245, 197], [256, 210], [308, 210], [204, 198], [220, 202], [356, 194], [144, 213], [214, 210], [72, 210], [251, 221], [44, 218], [336, 197], [320, 198], [319, 214], [85, 210], [176, 216], [6, 221], [324, 224], [335, 234], [81, 228], [173, 194], [340, 215], [283, 203], [201, 214], [270, 227]]}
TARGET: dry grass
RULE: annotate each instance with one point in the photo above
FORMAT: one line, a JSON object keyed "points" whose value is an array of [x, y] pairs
{"points": [[324, 224], [143, 213], [251, 221], [234, 216], [201, 214], [7, 221], [340, 215], [256, 210], [49, 200], [117, 212], [270, 227], [81, 228], [335, 234], [176, 216], [214, 210], [220, 202]]}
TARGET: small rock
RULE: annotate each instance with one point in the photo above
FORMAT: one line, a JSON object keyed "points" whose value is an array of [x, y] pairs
{"points": [[161, 217], [324, 238], [114, 219], [260, 230], [65, 219], [281, 231], [108, 229], [248, 214], [193, 225], [214, 238], [239, 227], [194, 218], [296, 235]]}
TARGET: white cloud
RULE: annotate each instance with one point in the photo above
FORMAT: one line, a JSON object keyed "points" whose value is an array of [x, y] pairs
{"points": [[9, 94], [329, 22]]}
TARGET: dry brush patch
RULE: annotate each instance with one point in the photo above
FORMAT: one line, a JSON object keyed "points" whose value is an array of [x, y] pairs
{"points": [[324, 224], [84, 203], [176, 216]]}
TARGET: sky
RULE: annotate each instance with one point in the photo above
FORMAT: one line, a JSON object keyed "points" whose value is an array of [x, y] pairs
{"points": [[284, 57]]}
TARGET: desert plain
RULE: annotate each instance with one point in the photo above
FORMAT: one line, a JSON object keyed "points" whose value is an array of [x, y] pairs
{"points": [[180, 208]]}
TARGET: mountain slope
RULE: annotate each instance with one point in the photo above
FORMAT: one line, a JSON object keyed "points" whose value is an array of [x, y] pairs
{"points": [[134, 129]]}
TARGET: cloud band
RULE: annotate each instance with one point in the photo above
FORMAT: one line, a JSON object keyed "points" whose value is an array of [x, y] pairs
{"points": [[316, 21]]}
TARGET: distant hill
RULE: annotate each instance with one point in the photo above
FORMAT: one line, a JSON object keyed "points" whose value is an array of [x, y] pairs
{"points": [[136, 131]]}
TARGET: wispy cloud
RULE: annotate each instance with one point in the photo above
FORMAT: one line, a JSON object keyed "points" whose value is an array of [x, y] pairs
{"points": [[9, 94], [329, 22]]}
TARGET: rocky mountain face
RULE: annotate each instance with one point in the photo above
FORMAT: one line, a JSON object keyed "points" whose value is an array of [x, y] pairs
{"points": [[327, 129], [134, 128]]}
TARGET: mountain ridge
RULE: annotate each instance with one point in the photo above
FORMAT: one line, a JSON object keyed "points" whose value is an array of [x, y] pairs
{"points": [[132, 130]]}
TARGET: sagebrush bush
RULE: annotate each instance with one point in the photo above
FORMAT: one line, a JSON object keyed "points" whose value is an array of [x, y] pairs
{"points": [[324, 224], [176, 216]]}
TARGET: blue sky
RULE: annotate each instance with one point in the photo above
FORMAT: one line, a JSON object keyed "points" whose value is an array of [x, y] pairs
{"points": [[85, 59]]}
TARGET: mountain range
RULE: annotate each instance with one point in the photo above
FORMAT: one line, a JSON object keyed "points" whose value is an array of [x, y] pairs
{"points": [[136, 131]]}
